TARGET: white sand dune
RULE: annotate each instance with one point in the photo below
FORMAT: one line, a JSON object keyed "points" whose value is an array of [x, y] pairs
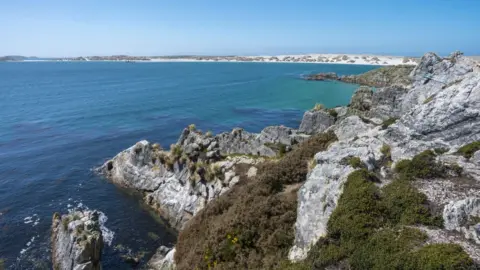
{"points": [[355, 59]]}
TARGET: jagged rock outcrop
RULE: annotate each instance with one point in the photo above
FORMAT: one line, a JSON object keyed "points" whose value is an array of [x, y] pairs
{"points": [[77, 241], [239, 141], [315, 121], [362, 99], [177, 188], [464, 216], [387, 102], [179, 183], [439, 109], [162, 259]]}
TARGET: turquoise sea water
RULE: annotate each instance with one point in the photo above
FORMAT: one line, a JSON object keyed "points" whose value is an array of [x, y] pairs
{"points": [[61, 119]]}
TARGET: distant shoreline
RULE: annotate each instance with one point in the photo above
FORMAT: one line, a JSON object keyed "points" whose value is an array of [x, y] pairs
{"points": [[349, 59]]}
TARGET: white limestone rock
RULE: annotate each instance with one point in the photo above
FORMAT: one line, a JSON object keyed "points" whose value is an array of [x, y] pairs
{"points": [[463, 216], [77, 241]]}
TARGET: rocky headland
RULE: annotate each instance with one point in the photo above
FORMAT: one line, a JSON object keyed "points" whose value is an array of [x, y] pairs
{"points": [[77, 241], [380, 77], [390, 181]]}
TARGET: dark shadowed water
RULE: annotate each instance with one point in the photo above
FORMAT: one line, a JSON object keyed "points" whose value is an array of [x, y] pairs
{"points": [[58, 120]]}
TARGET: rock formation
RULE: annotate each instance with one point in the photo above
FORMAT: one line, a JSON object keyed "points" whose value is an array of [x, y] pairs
{"points": [[439, 109], [315, 121], [162, 259], [77, 241], [380, 77], [178, 183]]}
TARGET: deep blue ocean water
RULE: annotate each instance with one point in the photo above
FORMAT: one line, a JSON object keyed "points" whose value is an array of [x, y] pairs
{"points": [[59, 120]]}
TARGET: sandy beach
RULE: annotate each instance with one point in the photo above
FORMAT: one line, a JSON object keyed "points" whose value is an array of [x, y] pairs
{"points": [[352, 59]]}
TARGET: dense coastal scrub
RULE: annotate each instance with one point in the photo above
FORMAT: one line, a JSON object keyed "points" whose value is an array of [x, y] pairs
{"points": [[468, 150], [250, 227], [370, 229]]}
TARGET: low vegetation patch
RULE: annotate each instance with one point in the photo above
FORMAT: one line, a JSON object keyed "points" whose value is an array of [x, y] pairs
{"points": [[333, 113], [468, 150], [250, 227], [388, 122], [280, 148], [192, 127], [354, 162], [441, 151], [318, 107], [423, 165], [427, 100]]}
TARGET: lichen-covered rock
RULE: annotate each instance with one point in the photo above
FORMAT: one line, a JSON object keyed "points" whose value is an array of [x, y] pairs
{"points": [[77, 241], [315, 122], [387, 102], [351, 127], [464, 216]]}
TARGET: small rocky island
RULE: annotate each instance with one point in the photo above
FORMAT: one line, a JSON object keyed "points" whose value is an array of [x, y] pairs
{"points": [[77, 241], [391, 181]]}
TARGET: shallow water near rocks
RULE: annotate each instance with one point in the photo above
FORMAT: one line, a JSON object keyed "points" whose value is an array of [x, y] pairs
{"points": [[59, 120]]}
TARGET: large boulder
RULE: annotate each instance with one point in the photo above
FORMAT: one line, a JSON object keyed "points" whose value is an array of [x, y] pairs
{"points": [[464, 216], [162, 259], [386, 102], [315, 121], [77, 241], [362, 99]]}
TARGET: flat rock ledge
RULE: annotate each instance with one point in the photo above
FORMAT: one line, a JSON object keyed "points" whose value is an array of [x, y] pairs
{"points": [[77, 241]]}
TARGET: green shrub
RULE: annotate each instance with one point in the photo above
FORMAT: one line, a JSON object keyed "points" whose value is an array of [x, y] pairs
{"points": [[440, 256], [2, 264], [405, 205], [192, 127], [388, 122], [209, 134], [318, 107], [156, 146], [176, 151], [387, 249], [427, 100], [356, 163], [357, 214], [386, 151], [423, 165], [65, 222], [169, 163], [441, 151], [468, 150], [280, 148], [333, 113]]}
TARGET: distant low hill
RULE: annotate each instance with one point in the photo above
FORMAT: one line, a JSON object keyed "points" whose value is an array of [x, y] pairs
{"points": [[16, 58]]}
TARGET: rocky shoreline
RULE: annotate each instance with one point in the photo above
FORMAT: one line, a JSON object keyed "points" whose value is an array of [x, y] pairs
{"points": [[428, 115], [380, 77]]}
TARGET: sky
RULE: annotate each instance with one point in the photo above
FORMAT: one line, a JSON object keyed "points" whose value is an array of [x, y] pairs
{"points": [[61, 28]]}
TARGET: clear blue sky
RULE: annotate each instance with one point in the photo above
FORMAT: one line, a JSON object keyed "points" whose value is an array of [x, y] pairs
{"points": [[166, 27]]}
